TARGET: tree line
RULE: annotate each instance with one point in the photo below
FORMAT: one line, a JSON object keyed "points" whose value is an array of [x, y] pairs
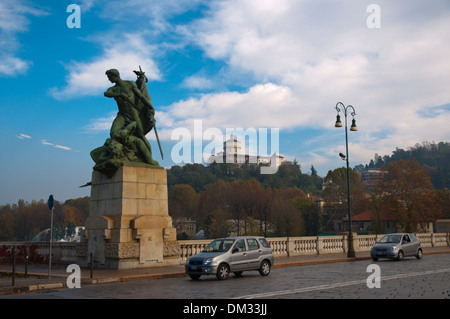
{"points": [[201, 177], [404, 193], [23, 221], [245, 207], [228, 198], [225, 197]]}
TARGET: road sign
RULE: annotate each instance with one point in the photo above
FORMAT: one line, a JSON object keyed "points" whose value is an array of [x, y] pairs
{"points": [[50, 202]]}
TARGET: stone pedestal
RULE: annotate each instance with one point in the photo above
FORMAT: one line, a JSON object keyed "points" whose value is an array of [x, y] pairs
{"points": [[129, 224]]}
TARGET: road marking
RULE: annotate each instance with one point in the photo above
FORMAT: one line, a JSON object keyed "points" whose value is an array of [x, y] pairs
{"points": [[339, 285]]}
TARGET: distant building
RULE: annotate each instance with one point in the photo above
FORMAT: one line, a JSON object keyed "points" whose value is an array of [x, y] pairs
{"points": [[186, 227], [370, 178], [442, 226], [234, 154], [363, 223]]}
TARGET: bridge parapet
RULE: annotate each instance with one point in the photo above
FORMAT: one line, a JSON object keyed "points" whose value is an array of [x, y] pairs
{"points": [[68, 252]]}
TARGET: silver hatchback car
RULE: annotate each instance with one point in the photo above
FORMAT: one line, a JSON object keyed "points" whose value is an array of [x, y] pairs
{"points": [[397, 246], [234, 254]]}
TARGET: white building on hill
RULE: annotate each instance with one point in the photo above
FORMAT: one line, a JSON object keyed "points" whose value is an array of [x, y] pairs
{"points": [[234, 154]]}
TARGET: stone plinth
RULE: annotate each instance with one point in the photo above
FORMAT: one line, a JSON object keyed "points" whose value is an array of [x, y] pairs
{"points": [[129, 224]]}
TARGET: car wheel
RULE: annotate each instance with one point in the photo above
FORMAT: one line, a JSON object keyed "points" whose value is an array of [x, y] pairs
{"points": [[194, 277], [223, 271], [264, 269], [400, 255], [419, 254]]}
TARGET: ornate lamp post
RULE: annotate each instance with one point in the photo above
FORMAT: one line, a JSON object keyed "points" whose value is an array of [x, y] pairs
{"points": [[340, 107]]}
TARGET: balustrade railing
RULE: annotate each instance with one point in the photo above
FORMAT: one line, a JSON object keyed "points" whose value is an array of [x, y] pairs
{"points": [[66, 252], [297, 246]]}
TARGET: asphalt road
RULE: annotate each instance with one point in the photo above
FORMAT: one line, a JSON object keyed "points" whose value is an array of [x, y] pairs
{"points": [[410, 278]]}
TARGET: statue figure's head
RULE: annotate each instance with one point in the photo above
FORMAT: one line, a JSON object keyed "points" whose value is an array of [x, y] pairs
{"points": [[113, 75]]}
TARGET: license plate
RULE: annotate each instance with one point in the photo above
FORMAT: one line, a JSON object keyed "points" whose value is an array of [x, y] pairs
{"points": [[194, 267]]}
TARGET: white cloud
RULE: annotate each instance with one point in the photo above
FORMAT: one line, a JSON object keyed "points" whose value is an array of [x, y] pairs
{"points": [[101, 124], [265, 105], [197, 82], [63, 147], [66, 148], [13, 20], [22, 136], [47, 143], [11, 65], [321, 53], [126, 55], [302, 57]]}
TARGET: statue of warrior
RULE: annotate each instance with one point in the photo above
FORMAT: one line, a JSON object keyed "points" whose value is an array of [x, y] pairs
{"points": [[135, 108]]}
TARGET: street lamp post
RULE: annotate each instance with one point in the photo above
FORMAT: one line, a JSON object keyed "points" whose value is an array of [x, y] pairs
{"points": [[340, 107]]}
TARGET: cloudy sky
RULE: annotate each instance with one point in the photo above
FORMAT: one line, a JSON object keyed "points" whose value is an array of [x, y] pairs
{"points": [[280, 64]]}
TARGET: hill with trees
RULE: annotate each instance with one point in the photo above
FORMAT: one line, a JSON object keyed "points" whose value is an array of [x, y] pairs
{"points": [[433, 157], [289, 175], [224, 196]]}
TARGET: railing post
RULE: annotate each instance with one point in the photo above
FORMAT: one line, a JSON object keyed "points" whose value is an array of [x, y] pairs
{"points": [[344, 243], [319, 245], [356, 244], [290, 249]]}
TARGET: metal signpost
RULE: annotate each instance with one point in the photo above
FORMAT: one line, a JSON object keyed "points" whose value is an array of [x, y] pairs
{"points": [[50, 206]]}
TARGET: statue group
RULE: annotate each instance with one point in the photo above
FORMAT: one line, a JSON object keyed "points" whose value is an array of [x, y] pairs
{"points": [[136, 118]]}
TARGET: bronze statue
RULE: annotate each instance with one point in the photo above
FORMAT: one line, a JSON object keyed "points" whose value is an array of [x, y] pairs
{"points": [[136, 118]]}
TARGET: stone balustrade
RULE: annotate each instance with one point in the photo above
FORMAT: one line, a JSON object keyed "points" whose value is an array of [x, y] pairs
{"points": [[66, 252], [297, 246]]}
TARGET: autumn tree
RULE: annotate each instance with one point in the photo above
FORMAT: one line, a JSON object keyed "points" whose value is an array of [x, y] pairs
{"points": [[286, 217], [183, 203], [214, 198], [6, 223], [408, 194], [311, 215], [186, 198], [245, 202], [443, 196], [82, 205], [219, 226], [336, 191], [73, 215]]}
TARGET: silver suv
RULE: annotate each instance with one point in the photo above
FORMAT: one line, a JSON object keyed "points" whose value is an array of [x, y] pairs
{"points": [[234, 254]]}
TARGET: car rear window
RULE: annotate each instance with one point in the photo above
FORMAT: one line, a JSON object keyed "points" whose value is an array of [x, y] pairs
{"points": [[264, 242]]}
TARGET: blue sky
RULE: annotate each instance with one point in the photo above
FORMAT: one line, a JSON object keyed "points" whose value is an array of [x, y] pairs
{"points": [[231, 64]]}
